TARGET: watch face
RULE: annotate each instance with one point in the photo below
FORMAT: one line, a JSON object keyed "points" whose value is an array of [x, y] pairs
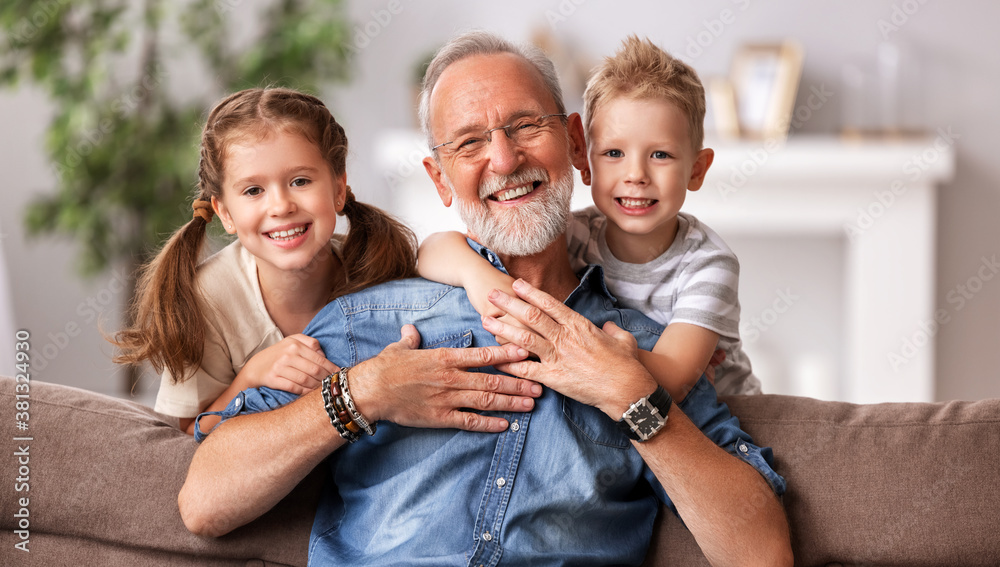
{"points": [[645, 419]]}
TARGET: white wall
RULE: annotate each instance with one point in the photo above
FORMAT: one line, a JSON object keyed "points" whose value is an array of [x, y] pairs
{"points": [[953, 43]]}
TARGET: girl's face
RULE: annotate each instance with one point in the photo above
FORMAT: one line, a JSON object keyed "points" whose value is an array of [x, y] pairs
{"points": [[281, 199]]}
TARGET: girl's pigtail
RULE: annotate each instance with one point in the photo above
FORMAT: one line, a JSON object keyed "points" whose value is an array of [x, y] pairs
{"points": [[169, 327], [378, 247]]}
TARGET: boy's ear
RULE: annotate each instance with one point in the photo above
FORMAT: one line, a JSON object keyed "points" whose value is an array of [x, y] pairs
{"points": [[433, 169], [701, 165], [585, 174], [224, 216]]}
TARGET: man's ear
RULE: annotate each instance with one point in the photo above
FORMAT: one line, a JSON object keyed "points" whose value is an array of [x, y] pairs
{"points": [[224, 216], [701, 165], [577, 144], [433, 169]]}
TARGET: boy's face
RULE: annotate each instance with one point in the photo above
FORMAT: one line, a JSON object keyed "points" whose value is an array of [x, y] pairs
{"points": [[641, 165]]}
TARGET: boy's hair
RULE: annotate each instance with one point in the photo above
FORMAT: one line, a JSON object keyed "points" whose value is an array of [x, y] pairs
{"points": [[169, 325], [641, 70]]}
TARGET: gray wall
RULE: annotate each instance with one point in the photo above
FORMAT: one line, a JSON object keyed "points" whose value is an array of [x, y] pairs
{"points": [[952, 43]]}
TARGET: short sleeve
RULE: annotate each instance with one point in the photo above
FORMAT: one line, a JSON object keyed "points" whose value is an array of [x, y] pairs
{"points": [[185, 399], [707, 293], [581, 234]]}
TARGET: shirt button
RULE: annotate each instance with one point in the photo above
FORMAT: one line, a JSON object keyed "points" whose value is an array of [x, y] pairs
{"points": [[487, 536], [501, 482], [743, 448], [515, 426], [237, 402], [490, 258]]}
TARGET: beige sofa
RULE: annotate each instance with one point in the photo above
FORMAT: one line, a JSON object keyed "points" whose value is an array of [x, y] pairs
{"points": [[887, 484]]}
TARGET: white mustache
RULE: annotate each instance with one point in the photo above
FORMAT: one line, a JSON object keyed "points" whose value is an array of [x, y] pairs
{"points": [[518, 178]]}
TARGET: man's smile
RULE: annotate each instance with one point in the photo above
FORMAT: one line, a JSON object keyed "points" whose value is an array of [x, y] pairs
{"points": [[515, 192]]}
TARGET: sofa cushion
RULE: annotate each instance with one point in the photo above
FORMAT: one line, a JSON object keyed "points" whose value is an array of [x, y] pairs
{"points": [[883, 484], [103, 485]]}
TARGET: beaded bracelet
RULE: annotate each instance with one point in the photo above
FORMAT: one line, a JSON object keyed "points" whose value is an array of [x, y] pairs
{"points": [[349, 401], [331, 411]]}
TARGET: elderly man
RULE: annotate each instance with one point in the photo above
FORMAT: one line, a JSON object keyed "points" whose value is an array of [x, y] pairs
{"points": [[552, 475]]}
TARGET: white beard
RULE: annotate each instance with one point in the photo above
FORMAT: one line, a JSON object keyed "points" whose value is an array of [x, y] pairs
{"points": [[527, 229]]}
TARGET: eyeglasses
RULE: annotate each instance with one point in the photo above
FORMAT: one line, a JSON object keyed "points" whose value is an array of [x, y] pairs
{"points": [[524, 132]]}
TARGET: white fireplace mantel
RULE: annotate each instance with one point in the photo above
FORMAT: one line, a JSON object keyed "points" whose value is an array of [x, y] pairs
{"points": [[879, 197]]}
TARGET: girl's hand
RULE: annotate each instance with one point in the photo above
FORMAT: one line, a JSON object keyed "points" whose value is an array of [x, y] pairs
{"points": [[294, 364]]}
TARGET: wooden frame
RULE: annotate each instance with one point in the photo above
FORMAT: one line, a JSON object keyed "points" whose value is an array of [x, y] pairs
{"points": [[765, 80]]}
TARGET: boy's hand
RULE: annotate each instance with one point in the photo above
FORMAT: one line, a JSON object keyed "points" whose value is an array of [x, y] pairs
{"points": [[717, 358], [294, 364]]}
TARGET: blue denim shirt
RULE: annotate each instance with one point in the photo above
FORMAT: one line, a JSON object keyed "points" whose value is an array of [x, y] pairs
{"points": [[561, 486]]}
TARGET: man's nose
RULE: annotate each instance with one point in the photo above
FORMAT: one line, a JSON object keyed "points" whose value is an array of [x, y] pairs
{"points": [[504, 155]]}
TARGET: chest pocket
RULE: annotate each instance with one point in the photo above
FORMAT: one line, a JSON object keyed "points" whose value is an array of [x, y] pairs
{"points": [[594, 424], [452, 340]]}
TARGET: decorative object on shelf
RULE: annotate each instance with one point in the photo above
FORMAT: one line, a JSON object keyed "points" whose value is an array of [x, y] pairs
{"points": [[721, 99], [765, 80], [882, 95]]}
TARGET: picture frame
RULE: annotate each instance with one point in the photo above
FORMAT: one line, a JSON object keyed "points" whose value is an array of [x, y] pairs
{"points": [[721, 105], [765, 80]]}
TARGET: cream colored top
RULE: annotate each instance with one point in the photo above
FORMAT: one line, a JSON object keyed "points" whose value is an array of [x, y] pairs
{"points": [[238, 327]]}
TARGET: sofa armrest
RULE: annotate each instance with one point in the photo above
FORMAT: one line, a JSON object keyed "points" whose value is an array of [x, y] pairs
{"points": [[104, 478]]}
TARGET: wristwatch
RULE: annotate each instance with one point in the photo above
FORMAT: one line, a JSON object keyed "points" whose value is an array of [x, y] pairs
{"points": [[646, 417]]}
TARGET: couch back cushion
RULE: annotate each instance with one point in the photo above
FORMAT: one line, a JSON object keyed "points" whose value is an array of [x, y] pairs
{"points": [[881, 484]]}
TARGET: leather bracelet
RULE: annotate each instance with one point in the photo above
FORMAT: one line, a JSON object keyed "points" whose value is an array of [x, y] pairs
{"points": [[349, 401], [329, 404]]}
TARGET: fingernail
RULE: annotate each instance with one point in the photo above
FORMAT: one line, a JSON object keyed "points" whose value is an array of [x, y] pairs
{"points": [[518, 283], [494, 294], [527, 403], [523, 353], [536, 389]]}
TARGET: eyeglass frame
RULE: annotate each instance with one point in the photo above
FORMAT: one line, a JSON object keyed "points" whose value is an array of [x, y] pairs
{"points": [[506, 129]]}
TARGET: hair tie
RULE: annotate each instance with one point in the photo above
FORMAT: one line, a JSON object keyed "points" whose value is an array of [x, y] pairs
{"points": [[202, 209]]}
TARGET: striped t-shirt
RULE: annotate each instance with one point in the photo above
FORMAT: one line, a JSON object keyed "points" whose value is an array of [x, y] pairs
{"points": [[695, 281]]}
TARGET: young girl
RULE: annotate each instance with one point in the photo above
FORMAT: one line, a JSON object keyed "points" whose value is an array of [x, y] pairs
{"points": [[273, 169]]}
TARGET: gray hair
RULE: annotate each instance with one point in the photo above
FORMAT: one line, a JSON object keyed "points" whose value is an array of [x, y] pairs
{"points": [[482, 43]]}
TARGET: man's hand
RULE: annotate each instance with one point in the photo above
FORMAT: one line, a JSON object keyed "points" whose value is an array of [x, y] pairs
{"points": [[433, 387], [599, 367]]}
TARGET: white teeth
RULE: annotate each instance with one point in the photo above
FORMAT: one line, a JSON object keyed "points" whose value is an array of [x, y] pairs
{"points": [[515, 193], [635, 203], [287, 234]]}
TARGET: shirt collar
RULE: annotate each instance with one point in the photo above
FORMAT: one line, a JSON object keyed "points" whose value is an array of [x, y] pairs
{"points": [[591, 278]]}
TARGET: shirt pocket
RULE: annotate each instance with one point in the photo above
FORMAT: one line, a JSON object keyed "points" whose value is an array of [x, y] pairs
{"points": [[461, 339], [594, 424]]}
